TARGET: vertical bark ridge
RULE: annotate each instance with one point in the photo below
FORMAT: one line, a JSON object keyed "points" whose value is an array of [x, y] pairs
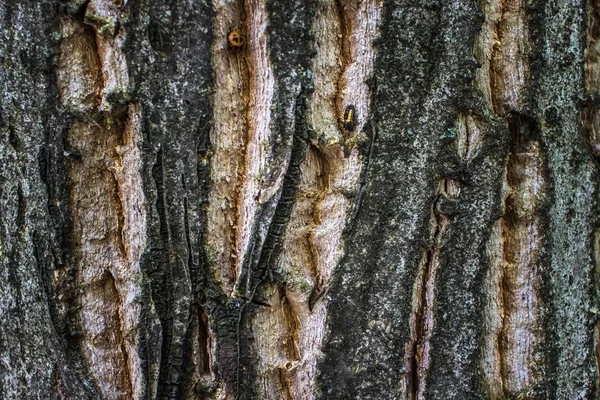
{"points": [[288, 54], [522, 306], [513, 355], [559, 51], [34, 333], [509, 62], [255, 185], [591, 130], [468, 135], [183, 217], [228, 142], [327, 182], [106, 198], [383, 242]]}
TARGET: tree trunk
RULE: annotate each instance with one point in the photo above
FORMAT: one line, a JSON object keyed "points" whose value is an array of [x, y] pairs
{"points": [[290, 199]]}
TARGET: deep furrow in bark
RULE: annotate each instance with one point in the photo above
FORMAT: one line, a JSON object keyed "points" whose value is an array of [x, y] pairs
{"points": [[509, 64], [417, 350], [264, 266], [468, 138]]}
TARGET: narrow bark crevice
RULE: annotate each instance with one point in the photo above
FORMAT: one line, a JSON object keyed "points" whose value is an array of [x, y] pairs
{"points": [[197, 372], [502, 50], [343, 60], [112, 291], [262, 274], [592, 60], [268, 255], [292, 351], [421, 319], [590, 118]]}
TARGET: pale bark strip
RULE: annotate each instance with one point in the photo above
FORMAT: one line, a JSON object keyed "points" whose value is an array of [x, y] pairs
{"points": [[421, 320], [328, 185], [509, 64], [490, 363], [254, 186], [520, 282], [106, 202], [513, 310], [228, 141], [501, 49]]}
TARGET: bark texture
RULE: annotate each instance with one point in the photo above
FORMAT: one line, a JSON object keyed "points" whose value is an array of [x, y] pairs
{"points": [[182, 216]]}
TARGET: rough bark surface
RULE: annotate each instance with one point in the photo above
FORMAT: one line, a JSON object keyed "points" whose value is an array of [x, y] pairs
{"points": [[358, 199]]}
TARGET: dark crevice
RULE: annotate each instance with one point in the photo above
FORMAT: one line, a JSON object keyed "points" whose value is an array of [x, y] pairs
{"points": [[186, 222], [323, 183], [81, 11], [21, 208], [262, 260], [161, 283], [364, 175], [120, 218], [418, 366], [344, 46], [590, 117], [13, 139], [197, 339], [118, 320]]}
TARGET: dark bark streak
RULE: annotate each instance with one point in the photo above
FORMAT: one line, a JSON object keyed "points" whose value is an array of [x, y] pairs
{"points": [[162, 286]]}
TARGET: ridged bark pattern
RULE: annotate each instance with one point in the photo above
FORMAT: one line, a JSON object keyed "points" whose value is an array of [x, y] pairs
{"points": [[183, 215]]}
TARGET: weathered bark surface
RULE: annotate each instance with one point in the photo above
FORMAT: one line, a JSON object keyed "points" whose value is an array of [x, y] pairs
{"points": [[184, 218]]}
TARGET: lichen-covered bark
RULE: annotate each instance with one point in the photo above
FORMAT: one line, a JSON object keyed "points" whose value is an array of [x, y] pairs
{"points": [[186, 217]]}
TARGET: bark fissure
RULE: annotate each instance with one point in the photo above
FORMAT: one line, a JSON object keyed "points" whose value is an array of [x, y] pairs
{"points": [[509, 64], [418, 358], [256, 188]]}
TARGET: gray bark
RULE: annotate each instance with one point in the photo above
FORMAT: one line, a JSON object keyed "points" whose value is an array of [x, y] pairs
{"points": [[183, 217]]}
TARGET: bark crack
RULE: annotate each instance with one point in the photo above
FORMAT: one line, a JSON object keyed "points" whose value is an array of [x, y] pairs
{"points": [[424, 298]]}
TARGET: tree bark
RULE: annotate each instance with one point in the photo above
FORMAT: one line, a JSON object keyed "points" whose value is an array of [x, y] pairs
{"points": [[361, 199]]}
